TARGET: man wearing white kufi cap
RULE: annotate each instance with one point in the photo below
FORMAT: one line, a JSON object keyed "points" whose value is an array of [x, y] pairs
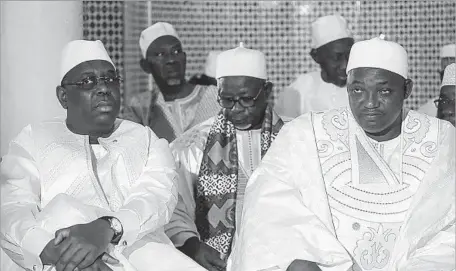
{"points": [[216, 158], [366, 187], [445, 102], [323, 89], [447, 56], [78, 189], [208, 75], [173, 105]]}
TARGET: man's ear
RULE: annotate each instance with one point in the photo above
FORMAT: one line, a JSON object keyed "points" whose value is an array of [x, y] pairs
{"points": [[61, 94], [408, 88], [145, 66], [268, 89], [314, 55]]}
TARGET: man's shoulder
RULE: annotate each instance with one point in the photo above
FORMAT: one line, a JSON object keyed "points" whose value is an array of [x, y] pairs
{"points": [[306, 79], [195, 137], [141, 98]]}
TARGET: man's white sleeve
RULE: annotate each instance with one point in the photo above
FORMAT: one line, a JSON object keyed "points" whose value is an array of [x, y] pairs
{"points": [[153, 197], [22, 237]]}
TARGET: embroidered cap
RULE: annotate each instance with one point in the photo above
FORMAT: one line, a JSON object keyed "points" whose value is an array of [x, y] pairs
{"points": [[154, 32], [448, 50], [241, 61], [449, 76], [79, 51], [379, 53], [329, 28]]}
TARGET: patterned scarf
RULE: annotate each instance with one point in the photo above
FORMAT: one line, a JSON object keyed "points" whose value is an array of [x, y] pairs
{"points": [[216, 189]]}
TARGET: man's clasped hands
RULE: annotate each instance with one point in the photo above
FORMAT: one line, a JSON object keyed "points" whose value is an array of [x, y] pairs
{"points": [[81, 247]]}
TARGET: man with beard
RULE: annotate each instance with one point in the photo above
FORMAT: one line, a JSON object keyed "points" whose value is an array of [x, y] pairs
{"points": [[216, 158], [447, 56], [365, 187], [445, 102], [78, 189], [173, 106], [324, 89]]}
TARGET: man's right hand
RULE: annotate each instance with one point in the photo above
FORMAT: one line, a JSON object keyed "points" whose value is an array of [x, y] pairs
{"points": [[203, 254], [50, 256]]}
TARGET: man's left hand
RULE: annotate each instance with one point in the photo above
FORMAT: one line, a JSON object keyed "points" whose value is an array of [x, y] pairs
{"points": [[82, 244]]}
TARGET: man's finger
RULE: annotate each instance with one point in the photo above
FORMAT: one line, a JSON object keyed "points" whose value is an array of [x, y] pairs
{"points": [[73, 257], [66, 246], [60, 235], [109, 259], [89, 259]]}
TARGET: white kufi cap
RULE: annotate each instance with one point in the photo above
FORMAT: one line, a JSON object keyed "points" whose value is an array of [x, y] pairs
{"points": [[448, 50], [449, 76], [79, 51], [378, 53], [211, 63], [329, 28], [241, 61], [153, 32]]}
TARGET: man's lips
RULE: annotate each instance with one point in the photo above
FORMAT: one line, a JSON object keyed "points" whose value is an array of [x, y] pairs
{"points": [[105, 106]]}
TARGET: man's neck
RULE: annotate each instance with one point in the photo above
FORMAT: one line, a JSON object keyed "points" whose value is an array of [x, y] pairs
{"points": [[93, 134], [171, 93], [324, 76], [389, 134]]}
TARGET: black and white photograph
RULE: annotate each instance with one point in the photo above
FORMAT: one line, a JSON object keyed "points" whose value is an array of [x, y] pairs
{"points": [[227, 135]]}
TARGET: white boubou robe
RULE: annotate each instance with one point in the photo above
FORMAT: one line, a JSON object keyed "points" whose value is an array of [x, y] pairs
{"points": [[52, 178], [327, 193]]}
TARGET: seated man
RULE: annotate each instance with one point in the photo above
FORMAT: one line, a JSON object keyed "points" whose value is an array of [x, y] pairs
{"points": [[326, 88], [75, 189], [447, 56], [174, 105], [208, 77], [216, 158], [369, 187], [445, 102]]}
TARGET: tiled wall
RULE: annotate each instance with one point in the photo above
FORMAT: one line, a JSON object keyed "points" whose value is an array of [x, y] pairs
{"points": [[281, 29]]}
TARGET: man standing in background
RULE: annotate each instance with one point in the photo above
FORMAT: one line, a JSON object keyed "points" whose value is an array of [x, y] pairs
{"points": [[445, 102], [447, 56], [174, 105], [324, 89]]}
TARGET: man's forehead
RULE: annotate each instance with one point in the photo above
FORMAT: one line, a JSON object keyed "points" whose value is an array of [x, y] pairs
{"points": [[164, 41], [377, 75], [91, 67], [340, 45]]}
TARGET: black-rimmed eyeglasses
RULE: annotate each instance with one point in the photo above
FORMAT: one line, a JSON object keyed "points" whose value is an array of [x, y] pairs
{"points": [[443, 102], [229, 103], [92, 81]]}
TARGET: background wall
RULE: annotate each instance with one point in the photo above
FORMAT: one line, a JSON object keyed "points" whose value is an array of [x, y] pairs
{"points": [[281, 29], [33, 34]]}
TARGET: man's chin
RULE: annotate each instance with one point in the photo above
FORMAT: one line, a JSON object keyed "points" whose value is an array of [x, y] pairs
{"points": [[174, 82]]}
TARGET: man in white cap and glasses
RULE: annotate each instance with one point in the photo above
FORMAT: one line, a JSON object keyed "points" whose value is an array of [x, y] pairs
{"points": [[80, 188], [445, 103], [323, 89], [216, 158], [173, 105], [447, 56], [207, 78], [367, 187]]}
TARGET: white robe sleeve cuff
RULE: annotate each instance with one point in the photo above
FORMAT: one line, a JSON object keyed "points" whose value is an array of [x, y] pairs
{"points": [[130, 224], [32, 245]]}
